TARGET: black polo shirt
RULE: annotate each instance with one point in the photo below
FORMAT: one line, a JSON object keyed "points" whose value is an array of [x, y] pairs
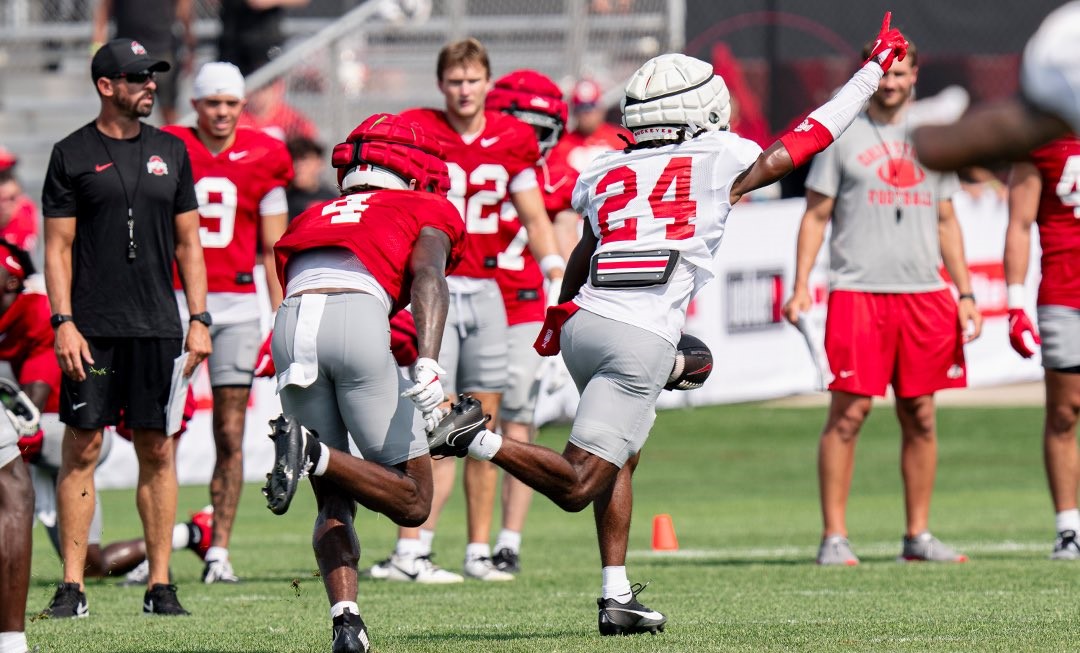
{"points": [[94, 178]]}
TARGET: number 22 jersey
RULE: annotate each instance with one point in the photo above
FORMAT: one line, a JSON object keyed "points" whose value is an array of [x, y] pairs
{"points": [[672, 197], [484, 169]]}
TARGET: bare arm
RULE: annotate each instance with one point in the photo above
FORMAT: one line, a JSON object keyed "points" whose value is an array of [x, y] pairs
{"points": [[577, 268], [533, 216], [102, 11], [819, 210], [1005, 130], [952, 255], [771, 165], [566, 232], [273, 226], [430, 297], [187, 36], [71, 347], [1025, 185], [192, 268]]}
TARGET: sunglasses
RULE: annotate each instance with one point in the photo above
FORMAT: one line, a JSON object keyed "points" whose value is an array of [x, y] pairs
{"points": [[140, 77]]}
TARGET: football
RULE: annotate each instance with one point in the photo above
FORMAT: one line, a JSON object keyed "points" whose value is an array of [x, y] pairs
{"points": [[693, 364]]}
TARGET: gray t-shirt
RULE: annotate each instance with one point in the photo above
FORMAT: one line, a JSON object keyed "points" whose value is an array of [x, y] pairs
{"points": [[872, 172]]}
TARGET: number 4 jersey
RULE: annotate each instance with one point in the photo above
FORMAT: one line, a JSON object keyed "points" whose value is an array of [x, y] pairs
{"points": [[668, 198], [380, 228], [231, 186], [1059, 221]]}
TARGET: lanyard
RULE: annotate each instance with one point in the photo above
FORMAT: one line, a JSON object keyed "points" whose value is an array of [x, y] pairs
{"points": [[130, 199]]}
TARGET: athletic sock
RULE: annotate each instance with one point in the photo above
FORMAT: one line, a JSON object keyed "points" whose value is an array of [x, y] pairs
{"points": [[12, 642], [475, 550], [508, 540], [616, 585], [340, 607], [409, 548], [1068, 520], [427, 537]]}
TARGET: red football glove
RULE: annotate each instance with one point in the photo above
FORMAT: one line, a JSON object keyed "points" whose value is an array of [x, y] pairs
{"points": [[264, 362], [890, 45], [1019, 324], [30, 446]]}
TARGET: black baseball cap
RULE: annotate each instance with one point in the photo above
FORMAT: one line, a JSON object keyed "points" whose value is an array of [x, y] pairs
{"points": [[124, 56]]}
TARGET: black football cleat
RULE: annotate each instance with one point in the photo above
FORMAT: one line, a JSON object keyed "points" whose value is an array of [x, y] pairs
{"points": [[350, 634], [506, 560], [296, 452], [69, 601], [161, 599], [458, 429], [629, 618]]}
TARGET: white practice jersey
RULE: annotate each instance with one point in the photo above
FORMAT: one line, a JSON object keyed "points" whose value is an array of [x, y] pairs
{"points": [[674, 197]]}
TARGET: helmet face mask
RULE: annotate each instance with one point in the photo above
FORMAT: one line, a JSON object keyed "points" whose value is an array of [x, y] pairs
{"points": [[673, 94], [548, 128]]}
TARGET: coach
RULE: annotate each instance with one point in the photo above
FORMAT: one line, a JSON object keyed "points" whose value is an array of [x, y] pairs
{"points": [[120, 208]]}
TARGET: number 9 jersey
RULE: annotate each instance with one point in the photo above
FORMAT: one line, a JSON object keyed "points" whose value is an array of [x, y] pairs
{"points": [[230, 187], [672, 198]]}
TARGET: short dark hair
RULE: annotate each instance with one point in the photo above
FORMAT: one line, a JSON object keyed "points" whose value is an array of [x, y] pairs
{"points": [[461, 53], [912, 52], [302, 146]]}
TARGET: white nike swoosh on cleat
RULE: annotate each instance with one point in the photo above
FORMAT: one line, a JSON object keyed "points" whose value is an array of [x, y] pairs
{"points": [[148, 606], [82, 610], [647, 614]]}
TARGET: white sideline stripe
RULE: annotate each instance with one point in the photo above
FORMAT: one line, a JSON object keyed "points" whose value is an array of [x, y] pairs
{"points": [[875, 549]]}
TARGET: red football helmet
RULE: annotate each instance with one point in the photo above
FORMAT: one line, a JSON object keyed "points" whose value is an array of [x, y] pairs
{"points": [[533, 99], [387, 151]]}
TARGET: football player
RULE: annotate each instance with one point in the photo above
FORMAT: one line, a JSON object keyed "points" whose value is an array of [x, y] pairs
{"points": [[656, 213], [240, 179], [491, 159], [1044, 190], [1049, 106], [346, 266], [537, 101]]}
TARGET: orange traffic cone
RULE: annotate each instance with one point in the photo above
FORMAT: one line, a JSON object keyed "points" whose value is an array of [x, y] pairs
{"points": [[663, 534]]}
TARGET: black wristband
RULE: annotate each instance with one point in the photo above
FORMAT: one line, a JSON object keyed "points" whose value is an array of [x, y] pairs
{"points": [[203, 317], [59, 318], [966, 295]]}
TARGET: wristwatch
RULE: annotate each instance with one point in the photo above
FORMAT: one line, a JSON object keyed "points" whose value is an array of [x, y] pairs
{"points": [[59, 318], [203, 317]]}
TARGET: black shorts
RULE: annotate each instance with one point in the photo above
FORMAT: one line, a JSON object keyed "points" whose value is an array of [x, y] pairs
{"points": [[129, 374]]}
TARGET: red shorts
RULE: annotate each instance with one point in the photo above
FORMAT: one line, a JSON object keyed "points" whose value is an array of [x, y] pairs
{"points": [[912, 340]]}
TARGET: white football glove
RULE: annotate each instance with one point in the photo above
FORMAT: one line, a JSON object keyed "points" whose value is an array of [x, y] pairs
{"points": [[432, 419], [553, 370], [21, 412], [428, 393]]}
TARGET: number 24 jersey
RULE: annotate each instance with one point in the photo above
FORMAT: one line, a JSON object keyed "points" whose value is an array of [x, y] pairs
{"points": [[672, 197]]}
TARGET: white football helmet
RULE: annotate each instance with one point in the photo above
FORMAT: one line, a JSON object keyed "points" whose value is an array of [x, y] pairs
{"points": [[672, 93], [1050, 71]]}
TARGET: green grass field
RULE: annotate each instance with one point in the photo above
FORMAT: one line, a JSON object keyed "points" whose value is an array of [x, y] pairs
{"points": [[740, 484]]}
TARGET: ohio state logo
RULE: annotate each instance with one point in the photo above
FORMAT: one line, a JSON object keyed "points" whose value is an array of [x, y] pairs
{"points": [[900, 173], [157, 166], [137, 48]]}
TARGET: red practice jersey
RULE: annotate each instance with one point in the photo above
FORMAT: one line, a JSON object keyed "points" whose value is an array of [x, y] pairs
{"points": [[519, 276], [1059, 221], [230, 186], [380, 228], [481, 172], [26, 343]]}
